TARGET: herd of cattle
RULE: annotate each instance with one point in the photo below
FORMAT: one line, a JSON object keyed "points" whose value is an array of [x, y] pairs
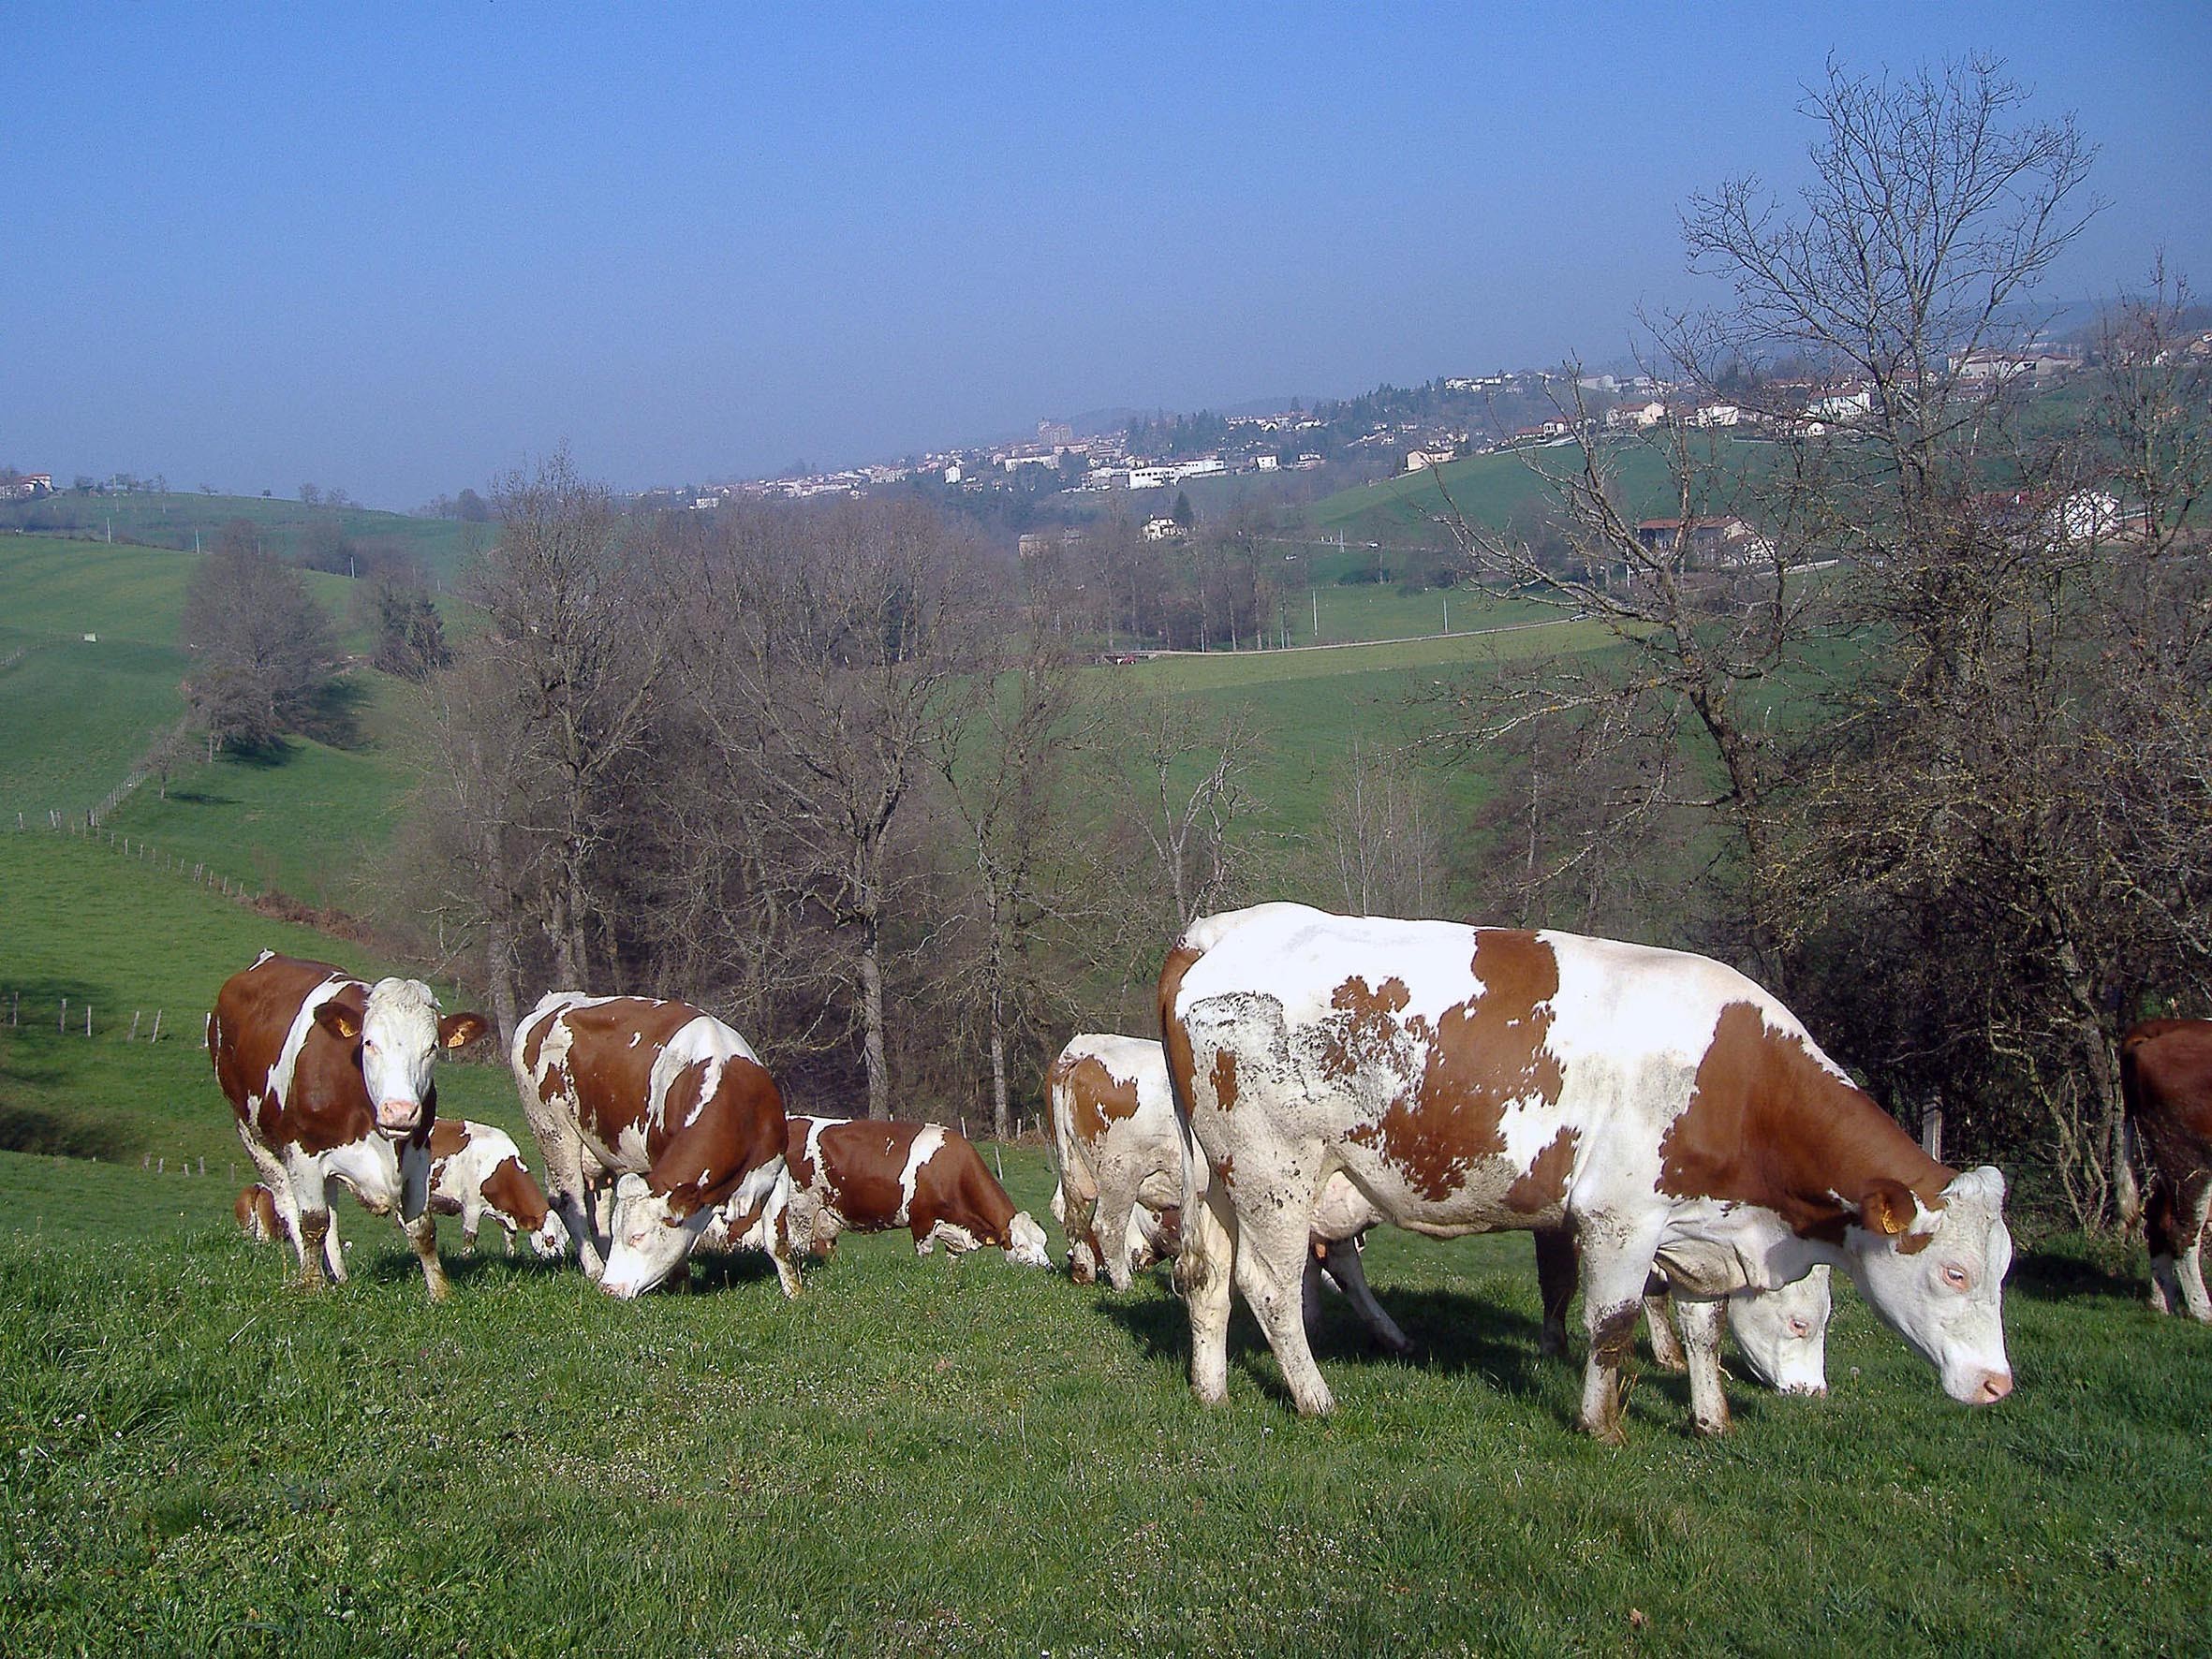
{"points": [[1666, 1129]]}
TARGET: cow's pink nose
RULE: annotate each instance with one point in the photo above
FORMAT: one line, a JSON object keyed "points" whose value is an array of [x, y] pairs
{"points": [[1995, 1385], [399, 1114]]}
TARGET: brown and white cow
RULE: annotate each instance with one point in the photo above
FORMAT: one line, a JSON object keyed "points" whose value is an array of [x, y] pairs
{"points": [[2166, 1080], [331, 1076], [668, 1103], [856, 1175], [1662, 1106], [1119, 1158], [477, 1170]]}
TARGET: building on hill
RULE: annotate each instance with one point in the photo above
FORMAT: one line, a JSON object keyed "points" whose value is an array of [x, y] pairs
{"points": [[1709, 543], [1163, 529], [25, 486]]}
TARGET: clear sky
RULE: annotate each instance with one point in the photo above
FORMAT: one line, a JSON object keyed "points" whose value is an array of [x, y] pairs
{"points": [[399, 249]]}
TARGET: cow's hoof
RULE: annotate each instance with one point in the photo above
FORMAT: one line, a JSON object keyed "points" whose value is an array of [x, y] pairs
{"points": [[1710, 1428], [1609, 1432]]}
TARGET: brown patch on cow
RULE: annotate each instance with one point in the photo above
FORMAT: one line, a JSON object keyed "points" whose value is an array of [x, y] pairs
{"points": [[1224, 1077], [1768, 1124], [1095, 1096], [510, 1190], [1482, 1057], [449, 1138], [856, 1175], [328, 1104], [2166, 1082], [1226, 1170], [1544, 1186], [1174, 1039], [1364, 1031]]}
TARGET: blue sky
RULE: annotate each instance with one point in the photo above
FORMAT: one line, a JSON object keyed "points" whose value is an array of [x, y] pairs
{"points": [[401, 249]]}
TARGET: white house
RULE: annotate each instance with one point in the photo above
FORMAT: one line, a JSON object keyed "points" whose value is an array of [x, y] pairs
{"points": [[1418, 459], [1163, 529]]}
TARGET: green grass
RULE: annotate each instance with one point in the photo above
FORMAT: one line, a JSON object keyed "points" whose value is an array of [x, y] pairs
{"points": [[173, 520], [924, 1457]]}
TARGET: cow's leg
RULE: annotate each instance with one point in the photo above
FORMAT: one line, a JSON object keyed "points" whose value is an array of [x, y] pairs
{"points": [[1203, 1270], [1110, 1230], [1614, 1270], [1078, 1217], [1342, 1262], [313, 1235], [270, 1168], [1269, 1271], [417, 1219], [1702, 1319], [776, 1212], [1556, 1271], [1666, 1349], [2195, 1204], [567, 1192]]}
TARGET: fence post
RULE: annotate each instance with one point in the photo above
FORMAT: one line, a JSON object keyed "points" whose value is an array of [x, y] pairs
{"points": [[1931, 1130], [155, 1036], [61, 1023], [134, 1026], [88, 1020]]}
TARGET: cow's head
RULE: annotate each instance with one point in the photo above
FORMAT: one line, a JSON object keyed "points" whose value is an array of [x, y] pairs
{"points": [[551, 1239], [399, 1035], [1026, 1242], [651, 1239], [1783, 1334], [1935, 1274]]}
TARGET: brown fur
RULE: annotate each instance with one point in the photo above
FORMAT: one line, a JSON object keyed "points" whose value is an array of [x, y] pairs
{"points": [[860, 1162], [2166, 1082], [1768, 1124]]}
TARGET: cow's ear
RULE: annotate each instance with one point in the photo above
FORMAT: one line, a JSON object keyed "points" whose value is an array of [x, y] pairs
{"points": [[339, 1020], [457, 1031], [1888, 1208]]}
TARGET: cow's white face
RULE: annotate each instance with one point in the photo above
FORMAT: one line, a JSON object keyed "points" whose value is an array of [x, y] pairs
{"points": [[1783, 1334], [550, 1241], [1026, 1245], [400, 1035], [1936, 1278], [650, 1240]]}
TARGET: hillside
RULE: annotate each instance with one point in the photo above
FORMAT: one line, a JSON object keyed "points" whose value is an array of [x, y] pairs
{"points": [[1506, 488], [288, 528]]}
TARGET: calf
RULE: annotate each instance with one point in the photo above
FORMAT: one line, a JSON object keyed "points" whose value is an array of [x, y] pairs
{"points": [[477, 1170], [1660, 1105], [329, 1076], [860, 1176], [623, 1086], [2166, 1082]]}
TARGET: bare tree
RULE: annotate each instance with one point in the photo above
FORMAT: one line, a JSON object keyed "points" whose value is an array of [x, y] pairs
{"points": [[577, 638], [262, 649], [829, 659]]}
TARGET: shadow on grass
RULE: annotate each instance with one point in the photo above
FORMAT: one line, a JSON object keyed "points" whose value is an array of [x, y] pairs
{"points": [[201, 797], [2075, 1268]]}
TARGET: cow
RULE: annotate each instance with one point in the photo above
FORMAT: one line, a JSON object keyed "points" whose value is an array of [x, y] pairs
{"points": [[618, 1087], [859, 1175], [258, 1219], [1782, 1334], [1660, 1105], [1119, 1157], [330, 1076], [477, 1170], [2166, 1084]]}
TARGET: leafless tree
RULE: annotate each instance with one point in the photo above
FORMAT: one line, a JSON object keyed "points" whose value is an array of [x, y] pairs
{"points": [[827, 654], [261, 647], [579, 642]]}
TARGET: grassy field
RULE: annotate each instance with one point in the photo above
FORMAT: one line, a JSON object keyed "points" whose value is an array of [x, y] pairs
{"points": [[176, 519], [923, 1456]]}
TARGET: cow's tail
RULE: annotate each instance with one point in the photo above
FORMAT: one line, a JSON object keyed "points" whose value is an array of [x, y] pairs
{"points": [[2126, 1197], [1206, 1250]]}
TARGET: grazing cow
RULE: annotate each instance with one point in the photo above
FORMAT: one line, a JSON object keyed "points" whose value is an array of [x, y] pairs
{"points": [[1782, 1334], [332, 1077], [477, 1170], [623, 1086], [860, 1176], [256, 1215], [1662, 1106], [1120, 1163], [2166, 1080]]}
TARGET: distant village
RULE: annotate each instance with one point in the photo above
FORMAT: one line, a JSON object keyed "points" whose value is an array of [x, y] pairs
{"points": [[1462, 422]]}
